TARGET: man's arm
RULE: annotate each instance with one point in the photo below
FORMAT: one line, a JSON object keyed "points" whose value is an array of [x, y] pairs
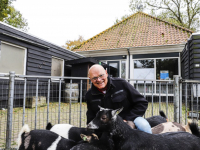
{"points": [[138, 103]]}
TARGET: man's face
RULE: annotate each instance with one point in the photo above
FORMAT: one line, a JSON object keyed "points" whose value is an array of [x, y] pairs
{"points": [[98, 76]]}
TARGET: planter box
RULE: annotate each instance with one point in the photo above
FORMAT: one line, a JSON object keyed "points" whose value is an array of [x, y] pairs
{"points": [[74, 92], [30, 101]]}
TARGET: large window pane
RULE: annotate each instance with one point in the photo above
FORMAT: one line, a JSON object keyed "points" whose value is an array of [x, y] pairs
{"points": [[166, 68], [57, 67], [12, 59], [144, 69]]}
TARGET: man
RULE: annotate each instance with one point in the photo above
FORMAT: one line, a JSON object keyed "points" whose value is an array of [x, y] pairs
{"points": [[115, 93]]}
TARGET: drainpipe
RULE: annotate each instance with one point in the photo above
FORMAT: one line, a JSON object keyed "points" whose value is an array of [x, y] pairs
{"points": [[128, 49]]}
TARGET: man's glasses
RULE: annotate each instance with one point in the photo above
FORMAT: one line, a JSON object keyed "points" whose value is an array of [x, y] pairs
{"points": [[96, 78]]}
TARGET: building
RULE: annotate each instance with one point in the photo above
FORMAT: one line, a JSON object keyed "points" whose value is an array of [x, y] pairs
{"points": [[190, 58], [29, 55], [139, 47]]}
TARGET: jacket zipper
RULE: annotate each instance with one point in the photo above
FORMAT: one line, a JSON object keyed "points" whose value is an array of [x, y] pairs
{"points": [[104, 95]]}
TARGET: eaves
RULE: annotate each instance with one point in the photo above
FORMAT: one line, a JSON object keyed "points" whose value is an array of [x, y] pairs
{"points": [[134, 50]]}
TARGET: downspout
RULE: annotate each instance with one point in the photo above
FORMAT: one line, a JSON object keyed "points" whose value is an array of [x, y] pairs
{"points": [[128, 49]]}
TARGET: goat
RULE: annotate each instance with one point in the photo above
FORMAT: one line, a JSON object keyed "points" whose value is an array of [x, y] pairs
{"points": [[155, 120], [94, 143], [126, 138], [42, 140], [170, 127], [68, 131]]}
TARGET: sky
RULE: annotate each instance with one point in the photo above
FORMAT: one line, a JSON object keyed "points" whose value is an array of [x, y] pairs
{"points": [[57, 21]]}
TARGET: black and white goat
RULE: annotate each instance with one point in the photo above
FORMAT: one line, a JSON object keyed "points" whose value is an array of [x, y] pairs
{"points": [[68, 131], [170, 127], [153, 121], [94, 143], [158, 119], [42, 140], [126, 138]]}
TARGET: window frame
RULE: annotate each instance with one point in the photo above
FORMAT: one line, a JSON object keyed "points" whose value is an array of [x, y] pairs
{"points": [[120, 65], [25, 59], [155, 83], [155, 63], [57, 79]]}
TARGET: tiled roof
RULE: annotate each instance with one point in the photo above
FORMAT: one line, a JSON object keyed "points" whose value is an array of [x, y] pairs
{"points": [[138, 30]]}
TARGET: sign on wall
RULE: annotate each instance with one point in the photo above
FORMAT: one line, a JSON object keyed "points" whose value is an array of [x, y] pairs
{"points": [[164, 75]]}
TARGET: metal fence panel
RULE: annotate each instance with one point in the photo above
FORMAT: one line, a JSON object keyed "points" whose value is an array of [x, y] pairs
{"points": [[38, 101], [190, 100]]}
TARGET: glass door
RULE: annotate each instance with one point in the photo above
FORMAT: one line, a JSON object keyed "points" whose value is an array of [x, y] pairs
{"points": [[113, 69]]}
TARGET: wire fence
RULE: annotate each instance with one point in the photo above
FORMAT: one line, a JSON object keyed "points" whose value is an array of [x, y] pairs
{"points": [[159, 94], [190, 90], [37, 100]]}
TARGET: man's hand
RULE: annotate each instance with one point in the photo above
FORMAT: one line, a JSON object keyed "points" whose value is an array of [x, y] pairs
{"points": [[130, 123]]}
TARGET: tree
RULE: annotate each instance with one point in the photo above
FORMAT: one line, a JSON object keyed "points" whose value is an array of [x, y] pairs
{"points": [[149, 63], [184, 13], [16, 20], [11, 16], [3, 9], [72, 44]]}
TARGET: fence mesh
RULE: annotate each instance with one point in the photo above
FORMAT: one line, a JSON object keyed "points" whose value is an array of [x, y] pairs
{"points": [[38, 101]]}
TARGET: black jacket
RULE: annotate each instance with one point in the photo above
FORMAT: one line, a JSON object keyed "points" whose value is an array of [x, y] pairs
{"points": [[119, 94]]}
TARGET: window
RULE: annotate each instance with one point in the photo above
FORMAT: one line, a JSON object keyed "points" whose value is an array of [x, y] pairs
{"points": [[159, 69], [155, 69], [166, 68], [57, 67], [12, 58], [116, 68], [144, 69], [113, 69]]}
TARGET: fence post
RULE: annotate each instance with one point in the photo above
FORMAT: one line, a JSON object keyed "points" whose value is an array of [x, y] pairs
{"points": [[180, 100], [176, 98], [10, 109]]}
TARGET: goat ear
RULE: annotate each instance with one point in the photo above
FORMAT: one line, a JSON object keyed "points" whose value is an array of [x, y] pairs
{"points": [[84, 137], [95, 136], [101, 108], [117, 111]]}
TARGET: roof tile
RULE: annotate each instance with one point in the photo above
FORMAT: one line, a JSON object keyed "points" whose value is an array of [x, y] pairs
{"points": [[140, 29]]}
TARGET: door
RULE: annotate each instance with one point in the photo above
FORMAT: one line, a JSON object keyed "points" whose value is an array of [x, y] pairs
{"points": [[113, 69]]}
